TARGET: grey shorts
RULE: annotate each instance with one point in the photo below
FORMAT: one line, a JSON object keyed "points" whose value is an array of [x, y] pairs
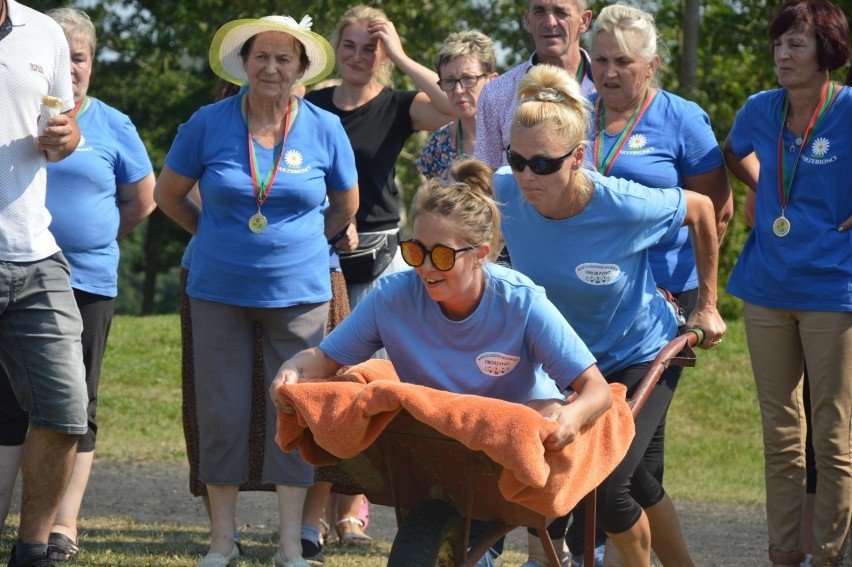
{"points": [[40, 349]]}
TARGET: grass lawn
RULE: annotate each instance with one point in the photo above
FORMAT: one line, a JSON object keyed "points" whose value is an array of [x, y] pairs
{"points": [[713, 450], [713, 444]]}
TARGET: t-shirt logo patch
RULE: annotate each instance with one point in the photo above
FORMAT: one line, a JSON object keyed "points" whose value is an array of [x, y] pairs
{"points": [[496, 363], [597, 274], [81, 147], [637, 142], [819, 152], [293, 161]]}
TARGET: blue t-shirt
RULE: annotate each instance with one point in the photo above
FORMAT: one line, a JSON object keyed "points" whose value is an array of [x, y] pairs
{"points": [[288, 263], [594, 266], [672, 140], [505, 349], [82, 195], [811, 268]]}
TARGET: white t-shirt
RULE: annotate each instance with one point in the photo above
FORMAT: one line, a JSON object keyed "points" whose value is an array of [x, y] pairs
{"points": [[35, 62]]}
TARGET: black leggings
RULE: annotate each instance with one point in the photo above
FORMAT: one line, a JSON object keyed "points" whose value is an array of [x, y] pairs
{"points": [[631, 486]]}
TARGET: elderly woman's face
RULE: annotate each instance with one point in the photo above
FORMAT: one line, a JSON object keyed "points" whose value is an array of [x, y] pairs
{"points": [[795, 54], [462, 98], [81, 64], [273, 64], [620, 77]]}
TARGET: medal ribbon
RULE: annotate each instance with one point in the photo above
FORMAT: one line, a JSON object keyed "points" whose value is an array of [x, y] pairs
{"points": [[459, 146], [604, 163], [581, 71], [262, 188], [785, 173], [81, 107]]}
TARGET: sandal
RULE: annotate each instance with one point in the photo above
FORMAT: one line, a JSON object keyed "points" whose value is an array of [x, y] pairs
{"points": [[351, 537], [60, 547]]}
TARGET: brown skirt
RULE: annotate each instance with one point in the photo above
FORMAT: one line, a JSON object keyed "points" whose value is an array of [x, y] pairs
{"points": [[337, 311]]}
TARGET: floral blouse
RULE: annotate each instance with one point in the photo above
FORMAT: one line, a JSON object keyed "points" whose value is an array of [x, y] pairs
{"points": [[438, 155]]}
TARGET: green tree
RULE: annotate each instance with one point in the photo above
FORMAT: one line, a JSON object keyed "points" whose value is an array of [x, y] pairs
{"points": [[153, 66]]}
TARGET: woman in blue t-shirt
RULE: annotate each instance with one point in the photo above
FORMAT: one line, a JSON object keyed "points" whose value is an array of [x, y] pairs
{"points": [[443, 322], [790, 146], [585, 238], [265, 162]]}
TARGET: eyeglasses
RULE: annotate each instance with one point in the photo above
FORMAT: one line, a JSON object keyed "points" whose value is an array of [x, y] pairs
{"points": [[538, 165], [466, 81], [442, 257]]}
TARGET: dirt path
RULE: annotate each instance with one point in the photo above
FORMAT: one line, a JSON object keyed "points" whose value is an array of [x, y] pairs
{"points": [[717, 535]]}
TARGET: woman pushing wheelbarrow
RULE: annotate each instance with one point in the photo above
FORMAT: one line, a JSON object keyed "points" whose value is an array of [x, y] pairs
{"points": [[462, 324]]}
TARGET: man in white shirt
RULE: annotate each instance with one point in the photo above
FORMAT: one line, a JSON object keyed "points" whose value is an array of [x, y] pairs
{"points": [[40, 325]]}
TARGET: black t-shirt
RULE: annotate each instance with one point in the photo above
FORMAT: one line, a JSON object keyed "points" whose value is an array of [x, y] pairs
{"points": [[377, 131]]}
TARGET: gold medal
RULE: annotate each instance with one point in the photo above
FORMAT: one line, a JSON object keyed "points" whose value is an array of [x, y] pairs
{"points": [[781, 226], [257, 223]]}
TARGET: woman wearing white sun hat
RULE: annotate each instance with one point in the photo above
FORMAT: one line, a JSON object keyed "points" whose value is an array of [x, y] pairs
{"points": [[265, 163]]}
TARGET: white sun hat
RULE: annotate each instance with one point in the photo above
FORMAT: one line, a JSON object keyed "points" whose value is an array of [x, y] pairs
{"points": [[225, 50]]}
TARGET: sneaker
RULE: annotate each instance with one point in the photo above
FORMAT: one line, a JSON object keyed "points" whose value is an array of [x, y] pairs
{"points": [[312, 552], [40, 562]]}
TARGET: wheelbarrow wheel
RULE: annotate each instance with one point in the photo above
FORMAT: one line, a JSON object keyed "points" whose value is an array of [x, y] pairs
{"points": [[431, 535]]}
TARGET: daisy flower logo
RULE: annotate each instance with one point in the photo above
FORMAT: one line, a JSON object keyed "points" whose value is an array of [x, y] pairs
{"points": [[293, 159], [636, 142], [820, 147], [82, 142]]}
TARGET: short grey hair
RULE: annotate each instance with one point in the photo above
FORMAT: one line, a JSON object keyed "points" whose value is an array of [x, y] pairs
{"points": [[76, 21], [473, 45]]}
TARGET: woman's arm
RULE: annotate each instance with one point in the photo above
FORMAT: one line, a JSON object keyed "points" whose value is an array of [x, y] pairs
{"points": [[749, 207], [716, 185], [746, 168], [700, 218], [594, 397], [309, 363], [172, 195], [431, 108], [338, 216], [135, 203]]}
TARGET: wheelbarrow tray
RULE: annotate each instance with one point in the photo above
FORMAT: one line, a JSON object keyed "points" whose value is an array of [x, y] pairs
{"points": [[411, 463]]}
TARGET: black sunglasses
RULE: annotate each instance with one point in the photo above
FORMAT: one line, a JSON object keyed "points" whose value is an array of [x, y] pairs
{"points": [[466, 81], [442, 257], [538, 165]]}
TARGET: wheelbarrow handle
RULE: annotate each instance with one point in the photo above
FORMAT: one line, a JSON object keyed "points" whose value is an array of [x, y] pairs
{"points": [[677, 352], [699, 336]]}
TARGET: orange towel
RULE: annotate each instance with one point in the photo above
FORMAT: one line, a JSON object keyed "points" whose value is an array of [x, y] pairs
{"points": [[338, 417]]}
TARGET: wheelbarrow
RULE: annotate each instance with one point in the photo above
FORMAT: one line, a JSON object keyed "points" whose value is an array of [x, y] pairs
{"points": [[438, 487]]}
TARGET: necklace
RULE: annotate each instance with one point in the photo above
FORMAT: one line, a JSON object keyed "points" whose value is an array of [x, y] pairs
{"points": [[795, 140]]}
